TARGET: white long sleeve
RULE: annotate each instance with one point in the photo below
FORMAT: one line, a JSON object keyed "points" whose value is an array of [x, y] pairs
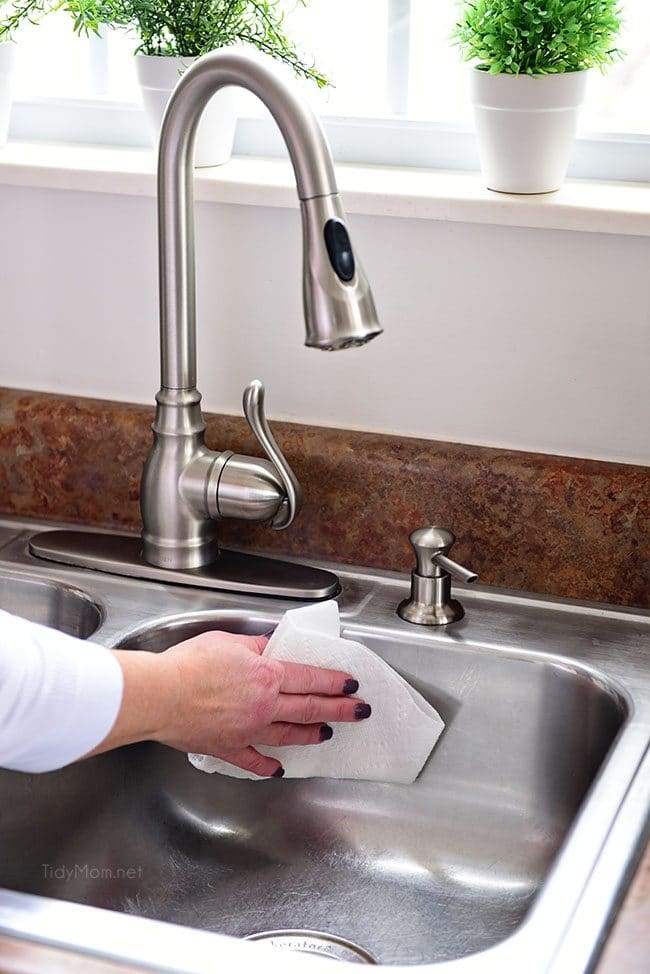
{"points": [[59, 696]]}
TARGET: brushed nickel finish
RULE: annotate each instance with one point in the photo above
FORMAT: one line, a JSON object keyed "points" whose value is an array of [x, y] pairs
{"points": [[232, 571], [430, 602], [180, 529], [338, 314], [511, 852], [293, 497]]}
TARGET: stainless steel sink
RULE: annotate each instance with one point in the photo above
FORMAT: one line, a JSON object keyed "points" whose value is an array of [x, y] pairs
{"points": [[509, 853], [55, 604]]}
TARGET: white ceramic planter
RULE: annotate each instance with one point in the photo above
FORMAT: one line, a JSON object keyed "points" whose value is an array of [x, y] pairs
{"points": [[7, 51], [526, 127], [158, 76]]}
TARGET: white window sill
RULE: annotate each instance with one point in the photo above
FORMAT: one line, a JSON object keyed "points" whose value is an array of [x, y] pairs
{"points": [[425, 194]]}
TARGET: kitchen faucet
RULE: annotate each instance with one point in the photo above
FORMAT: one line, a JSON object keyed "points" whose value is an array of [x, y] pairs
{"points": [[187, 488]]}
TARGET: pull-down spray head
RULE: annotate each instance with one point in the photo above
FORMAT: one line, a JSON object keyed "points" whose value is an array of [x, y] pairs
{"points": [[338, 304], [339, 308]]}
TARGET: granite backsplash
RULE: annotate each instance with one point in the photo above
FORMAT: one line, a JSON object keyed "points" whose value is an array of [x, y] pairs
{"points": [[566, 527]]}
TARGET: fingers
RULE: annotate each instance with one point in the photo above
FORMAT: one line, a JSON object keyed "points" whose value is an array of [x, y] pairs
{"points": [[311, 709], [300, 678], [251, 760], [282, 734]]}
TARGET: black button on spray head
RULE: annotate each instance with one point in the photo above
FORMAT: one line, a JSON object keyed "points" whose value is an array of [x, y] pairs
{"points": [[339, 249]]}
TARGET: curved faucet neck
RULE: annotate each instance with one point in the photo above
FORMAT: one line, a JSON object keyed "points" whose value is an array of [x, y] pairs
{"points": [[310, 157]]}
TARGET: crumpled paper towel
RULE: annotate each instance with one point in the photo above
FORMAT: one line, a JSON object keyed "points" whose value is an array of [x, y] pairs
{"points": [[391, 745]]}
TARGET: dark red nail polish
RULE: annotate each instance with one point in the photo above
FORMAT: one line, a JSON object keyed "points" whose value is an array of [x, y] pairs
{"points": [[325, 732], [279, 773], [350, 686], [362, 710]]}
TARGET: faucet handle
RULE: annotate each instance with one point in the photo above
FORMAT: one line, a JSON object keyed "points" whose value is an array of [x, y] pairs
{"points": [[254, 413]]}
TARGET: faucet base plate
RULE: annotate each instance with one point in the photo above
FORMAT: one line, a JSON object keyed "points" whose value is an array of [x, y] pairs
{"points": [[233, 571]]}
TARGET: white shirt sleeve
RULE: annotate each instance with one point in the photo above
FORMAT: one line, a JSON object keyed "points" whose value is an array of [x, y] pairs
{"points": [[59, 696]]}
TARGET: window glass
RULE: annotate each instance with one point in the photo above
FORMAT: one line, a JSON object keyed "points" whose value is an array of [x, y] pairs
{"points": [[619, 101], [381, 61]]}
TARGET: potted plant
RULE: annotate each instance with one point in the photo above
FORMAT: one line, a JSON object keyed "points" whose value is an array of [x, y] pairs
{"points": [[531, 60], [171, 35]]}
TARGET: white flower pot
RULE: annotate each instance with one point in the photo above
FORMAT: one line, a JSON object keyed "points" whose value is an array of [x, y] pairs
{"points": [[158, 76], [526, 127], [7, 50]]}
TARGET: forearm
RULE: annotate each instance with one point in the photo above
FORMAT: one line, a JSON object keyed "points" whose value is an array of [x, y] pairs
{"points": [[149, 699], [59, 695], [62, 698]]}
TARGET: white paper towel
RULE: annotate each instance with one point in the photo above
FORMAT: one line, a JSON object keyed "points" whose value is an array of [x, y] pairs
{"points": [[391, 745]]}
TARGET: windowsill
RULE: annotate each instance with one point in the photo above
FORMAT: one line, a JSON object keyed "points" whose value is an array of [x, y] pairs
{"points": [[583, 205]]}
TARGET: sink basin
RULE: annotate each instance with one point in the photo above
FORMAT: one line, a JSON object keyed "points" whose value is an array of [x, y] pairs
{"points": [[50, 603], [458, 857], [437, 870], [510, 852]]}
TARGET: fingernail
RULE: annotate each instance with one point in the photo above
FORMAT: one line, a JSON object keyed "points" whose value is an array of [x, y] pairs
{"points": [[362, 710], [268, 633], [325, 732], [279, 773], [350, 686]]}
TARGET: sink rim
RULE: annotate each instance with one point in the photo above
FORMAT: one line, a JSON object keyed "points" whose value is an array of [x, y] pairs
{"points": [[610, 685], [612, 816], [93, 604]]}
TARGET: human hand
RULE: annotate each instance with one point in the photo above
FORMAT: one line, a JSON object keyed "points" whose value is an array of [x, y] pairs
{"points": [[232, 698], [216, 694]]}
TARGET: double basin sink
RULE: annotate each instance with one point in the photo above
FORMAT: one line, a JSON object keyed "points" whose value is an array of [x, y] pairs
{"points": [[510, 852]]}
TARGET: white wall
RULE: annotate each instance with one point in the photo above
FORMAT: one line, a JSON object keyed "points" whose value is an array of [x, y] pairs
{"points": [[522, 338]]}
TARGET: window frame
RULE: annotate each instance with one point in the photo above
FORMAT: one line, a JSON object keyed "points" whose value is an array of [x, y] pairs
{"points": [[395, 140], [389, 141]]}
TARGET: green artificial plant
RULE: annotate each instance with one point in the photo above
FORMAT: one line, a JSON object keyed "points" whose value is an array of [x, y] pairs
{"points": [[177, 28], [538, 36], [12, 15]]}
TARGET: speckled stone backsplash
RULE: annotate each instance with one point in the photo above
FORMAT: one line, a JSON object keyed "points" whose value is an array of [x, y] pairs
{"points": [[565, 527]]}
